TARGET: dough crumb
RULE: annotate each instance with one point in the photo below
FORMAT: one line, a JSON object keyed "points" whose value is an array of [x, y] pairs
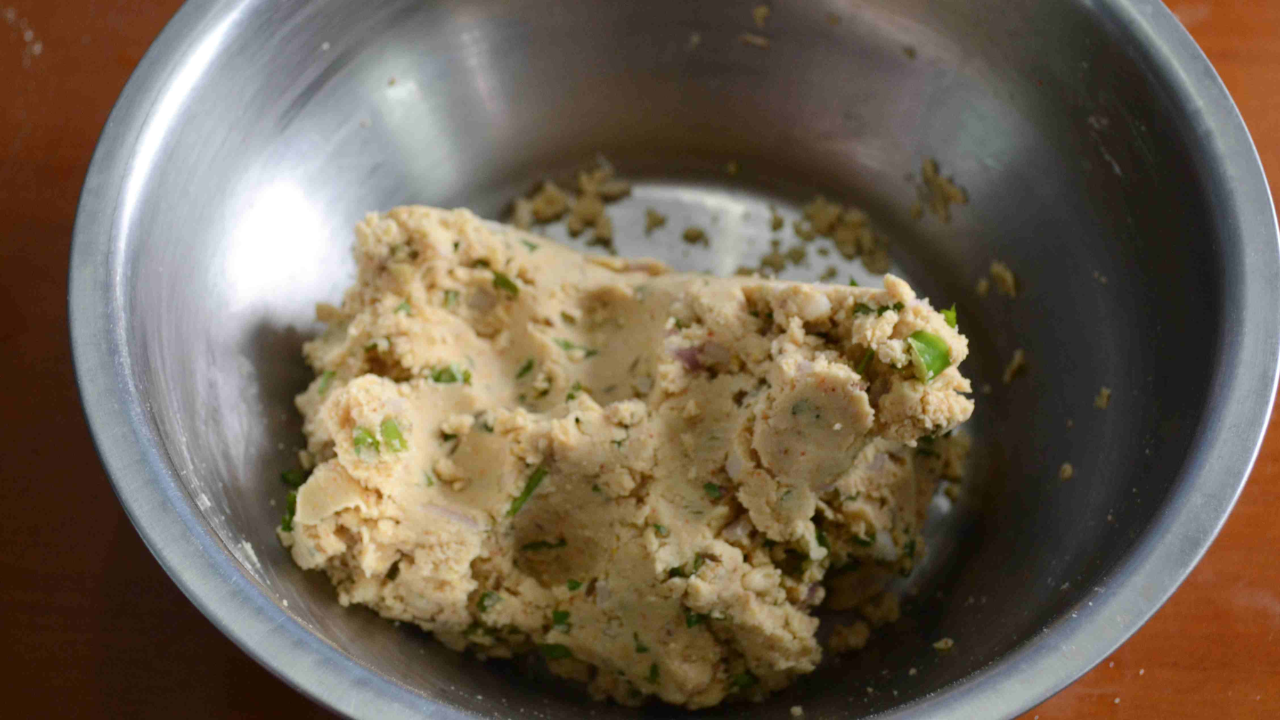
{"points": [[847, 638], [753, 39], [1003, 278], [912, 672], [937, 193], [1015, 366], [1066, 471], [944, 644], [546, 436], [983, 287], [797, 711], [1103, 399], [653, 220], [695, 39], [760, 14], [775, 220]]}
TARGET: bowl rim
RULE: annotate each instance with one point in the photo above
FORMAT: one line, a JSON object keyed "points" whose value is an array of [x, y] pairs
{"points": [[173, 528]]}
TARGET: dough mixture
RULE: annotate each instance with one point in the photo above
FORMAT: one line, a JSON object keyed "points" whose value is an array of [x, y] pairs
{"points": [[650, 478]]}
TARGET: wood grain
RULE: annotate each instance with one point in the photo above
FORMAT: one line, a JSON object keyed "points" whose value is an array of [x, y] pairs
{"points": [[90, 626]]}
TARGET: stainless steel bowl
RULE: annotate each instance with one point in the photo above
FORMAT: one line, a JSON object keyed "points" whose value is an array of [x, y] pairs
{"points": [[1092, 136]]}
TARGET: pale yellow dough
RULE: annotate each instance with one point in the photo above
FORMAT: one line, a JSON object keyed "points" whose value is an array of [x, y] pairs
{"points": [[700, 453]]}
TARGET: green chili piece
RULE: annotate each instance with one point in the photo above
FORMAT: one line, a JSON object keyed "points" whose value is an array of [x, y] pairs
{"points": [[362, 439], [290, 509], [391, 435], [950, 315], [929, 354]]}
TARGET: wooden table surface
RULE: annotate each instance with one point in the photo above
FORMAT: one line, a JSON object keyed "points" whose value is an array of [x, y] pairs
{"points": [[90, 626]]}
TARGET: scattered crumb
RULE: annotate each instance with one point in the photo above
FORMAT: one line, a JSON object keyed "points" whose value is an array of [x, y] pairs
{"points": [[1016, 363], [549, 203], [1117, 702], [731, 167], [797, 711], [695, 39], [391, 82], [909, 51], [797, 254], [1102, 279], [983, 287], [1064, 473], [1111, 664], [775, 261], [829, 274], [944, 644], [952, 491], [824, 251], [760, 14], [1142, 671], [937, 193], [1103, 399], [1003, 278], [522, 214], [986, 388], [759, 41], [775, 220], [695, 236], [911, 672], [847, 638], [325, 46], [653, 220]]}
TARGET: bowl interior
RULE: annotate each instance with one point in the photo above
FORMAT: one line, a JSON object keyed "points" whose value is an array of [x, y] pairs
{"points": [[287, 122]]}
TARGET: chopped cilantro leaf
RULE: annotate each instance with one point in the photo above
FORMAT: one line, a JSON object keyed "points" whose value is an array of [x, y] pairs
{"points": [[525, 369], [405, 308], [533, 247], [573, 391], [450, 298], [535, 479], [326, 379], [505, 284], [693, 619], [863, 309], [543, 545], [661, 531], [853, 283], [744, 680], [570, 347], [293, 478], [866, 362], [573, 585], [555, 651], [712, 490], [560, 620], [653, 672], [640, 647], [488, 600]]}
